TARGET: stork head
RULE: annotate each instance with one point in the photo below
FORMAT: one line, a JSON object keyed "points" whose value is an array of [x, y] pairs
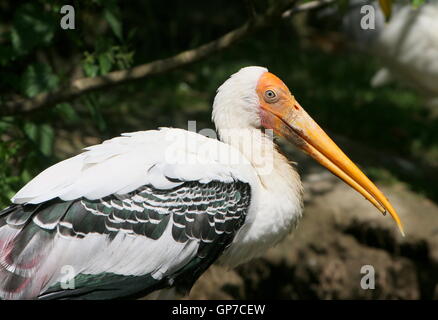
{"points": [[254, 98]]}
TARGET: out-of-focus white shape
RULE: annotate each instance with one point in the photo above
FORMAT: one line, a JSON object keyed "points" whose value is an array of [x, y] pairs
{"points": [[407, 45]]}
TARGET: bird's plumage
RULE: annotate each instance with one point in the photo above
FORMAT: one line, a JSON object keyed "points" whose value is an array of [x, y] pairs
{"points": [[149, 234], [142, 206], [123, 164], [153, 210], [124, 208]]}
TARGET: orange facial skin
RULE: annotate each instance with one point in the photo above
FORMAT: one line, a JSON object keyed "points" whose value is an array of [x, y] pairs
{"points": [[280, 112]]}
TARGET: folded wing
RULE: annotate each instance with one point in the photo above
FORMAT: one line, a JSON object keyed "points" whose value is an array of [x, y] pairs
{"points": [[118, 221]]}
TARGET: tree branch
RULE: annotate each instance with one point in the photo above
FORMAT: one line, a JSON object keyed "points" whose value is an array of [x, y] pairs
{"points": [[84, 85], [306, 7]]}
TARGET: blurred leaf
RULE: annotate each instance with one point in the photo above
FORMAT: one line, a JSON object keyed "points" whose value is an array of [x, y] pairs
{"points": [[94, 108], [46, 139], [26, 175], [89, 65], [67, 112], [91, 70], [38, 78], [107, 57], [123, 58], [5, 123], [105, 63], [31, 27], [30, 129], [41, 135], [111, 16], [417, 3]]}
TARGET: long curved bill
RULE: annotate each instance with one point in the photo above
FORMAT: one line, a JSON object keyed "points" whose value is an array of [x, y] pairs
{"points": [[297, 126]]}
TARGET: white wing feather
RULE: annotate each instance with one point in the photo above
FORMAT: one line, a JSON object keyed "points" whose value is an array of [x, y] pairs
{"points": [[161, 158], [125, 163]]}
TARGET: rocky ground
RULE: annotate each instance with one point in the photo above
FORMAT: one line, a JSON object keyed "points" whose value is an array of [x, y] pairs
{"points": [[339, 234]]}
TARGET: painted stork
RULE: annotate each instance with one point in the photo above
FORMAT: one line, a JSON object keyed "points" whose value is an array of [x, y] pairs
{"points": [[150, 211]]}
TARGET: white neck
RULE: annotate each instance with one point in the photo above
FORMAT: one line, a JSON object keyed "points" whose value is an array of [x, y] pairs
{"points": [[277, 199], [262, 152]]}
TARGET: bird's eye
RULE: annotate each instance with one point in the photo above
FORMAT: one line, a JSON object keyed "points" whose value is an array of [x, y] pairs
{"points": [[270, 96]]}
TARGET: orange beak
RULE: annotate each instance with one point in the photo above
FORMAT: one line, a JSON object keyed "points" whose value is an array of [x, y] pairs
{"points": [[287, 118]]}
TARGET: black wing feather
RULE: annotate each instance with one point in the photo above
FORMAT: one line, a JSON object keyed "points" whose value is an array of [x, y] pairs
{"points": [[209, 213]]}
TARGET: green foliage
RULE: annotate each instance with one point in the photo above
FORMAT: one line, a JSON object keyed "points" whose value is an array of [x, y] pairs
{"points": [[105, 58], [38, 78], [41, 136], [36, 56], [67, 113], [417, 3], [112, 16], [26, 149], [32, 27]]}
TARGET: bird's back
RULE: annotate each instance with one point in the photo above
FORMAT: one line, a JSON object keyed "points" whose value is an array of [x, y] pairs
{"points": [[134, 214]]}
